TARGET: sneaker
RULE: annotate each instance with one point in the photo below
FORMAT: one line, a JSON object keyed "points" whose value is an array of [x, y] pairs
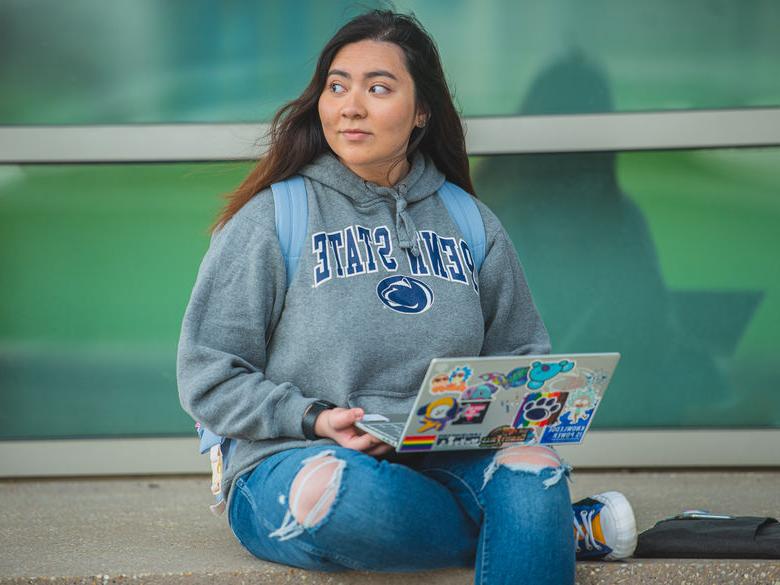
{"points": [[604, 527]]}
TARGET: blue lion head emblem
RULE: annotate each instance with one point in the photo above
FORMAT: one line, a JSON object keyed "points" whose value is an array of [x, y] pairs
{"points": [[405, 294]]}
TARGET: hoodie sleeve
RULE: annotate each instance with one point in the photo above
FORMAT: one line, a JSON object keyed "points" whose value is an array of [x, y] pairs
{"points": [[513, 325], [235, 303]]}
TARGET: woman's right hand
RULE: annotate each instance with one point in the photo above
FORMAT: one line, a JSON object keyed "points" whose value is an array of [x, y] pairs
{"points": [[339, 424]]}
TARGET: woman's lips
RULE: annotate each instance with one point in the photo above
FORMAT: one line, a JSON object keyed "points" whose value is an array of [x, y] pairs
{"points": [[356, 135]]}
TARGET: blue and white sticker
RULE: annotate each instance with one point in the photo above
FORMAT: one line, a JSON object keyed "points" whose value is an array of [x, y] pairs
{"points": [[568, 428], [405, 294]]}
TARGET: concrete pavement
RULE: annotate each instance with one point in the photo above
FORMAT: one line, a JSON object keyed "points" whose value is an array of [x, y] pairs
{"points": [[159, 530]]}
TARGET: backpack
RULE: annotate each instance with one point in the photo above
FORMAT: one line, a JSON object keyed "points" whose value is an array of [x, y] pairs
{"points": [[292, 212]]}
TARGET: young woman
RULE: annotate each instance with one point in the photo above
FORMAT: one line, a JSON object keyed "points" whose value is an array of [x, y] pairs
{"points": [[286, 370]]}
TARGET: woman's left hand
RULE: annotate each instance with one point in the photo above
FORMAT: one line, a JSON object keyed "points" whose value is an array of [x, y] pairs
{"points": [[339, 424]]}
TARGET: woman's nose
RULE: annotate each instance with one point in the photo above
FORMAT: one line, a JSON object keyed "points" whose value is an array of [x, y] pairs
{"points": [[353, 106]]}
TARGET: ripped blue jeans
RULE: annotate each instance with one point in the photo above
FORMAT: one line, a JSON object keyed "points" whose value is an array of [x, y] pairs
{"points": [[507, 516]]}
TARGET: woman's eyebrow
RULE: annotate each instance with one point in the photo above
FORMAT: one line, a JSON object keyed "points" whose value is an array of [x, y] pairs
{"points": [[370, 74]]}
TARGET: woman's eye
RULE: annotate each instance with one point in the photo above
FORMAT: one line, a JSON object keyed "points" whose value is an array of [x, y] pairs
{"points": [[334, 84], [383, 89]]}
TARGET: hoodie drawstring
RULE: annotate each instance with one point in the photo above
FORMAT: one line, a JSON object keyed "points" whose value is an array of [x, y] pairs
{"points": [[408, 237]]}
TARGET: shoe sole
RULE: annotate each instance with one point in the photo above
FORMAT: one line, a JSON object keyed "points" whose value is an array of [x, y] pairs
{"points": [[625, 527]]}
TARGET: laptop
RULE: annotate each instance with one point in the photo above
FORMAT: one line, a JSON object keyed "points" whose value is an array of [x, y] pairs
{"points": [[489, 402]]}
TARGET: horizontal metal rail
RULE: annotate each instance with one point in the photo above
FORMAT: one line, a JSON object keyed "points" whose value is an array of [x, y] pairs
{"points": [[688, 448]]}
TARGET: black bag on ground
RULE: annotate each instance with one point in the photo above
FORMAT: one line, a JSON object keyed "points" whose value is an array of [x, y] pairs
{"points": [[741, 537]]}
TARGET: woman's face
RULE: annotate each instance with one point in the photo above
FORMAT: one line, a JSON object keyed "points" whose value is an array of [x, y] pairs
{"points": [[369, 89]]}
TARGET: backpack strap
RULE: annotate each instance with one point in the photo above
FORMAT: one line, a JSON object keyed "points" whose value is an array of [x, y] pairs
{"points": [[465, 214], [291, 208], [214, 445], [292, 214]]}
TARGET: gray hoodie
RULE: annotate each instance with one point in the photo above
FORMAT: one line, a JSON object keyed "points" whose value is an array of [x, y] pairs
{"points": [[384, 284]]}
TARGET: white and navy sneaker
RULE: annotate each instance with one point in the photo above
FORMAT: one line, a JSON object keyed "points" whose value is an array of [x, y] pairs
{"points": [[605, 527]]}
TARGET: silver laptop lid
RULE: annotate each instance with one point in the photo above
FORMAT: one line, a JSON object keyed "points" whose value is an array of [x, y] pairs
{"points": [[488, 402]]}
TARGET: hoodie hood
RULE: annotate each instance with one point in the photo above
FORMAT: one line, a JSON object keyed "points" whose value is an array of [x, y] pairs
{"points": [[422, 181]]}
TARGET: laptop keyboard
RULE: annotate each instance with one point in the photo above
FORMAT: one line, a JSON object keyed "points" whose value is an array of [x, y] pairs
{"points": [[391, 429]]}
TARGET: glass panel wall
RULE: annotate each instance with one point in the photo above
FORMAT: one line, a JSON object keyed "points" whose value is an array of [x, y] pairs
{"points": [[147, 61], [667, 257], [97, 263]]}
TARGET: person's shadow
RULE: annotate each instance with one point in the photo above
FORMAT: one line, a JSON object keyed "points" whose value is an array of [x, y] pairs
{"points": [[592, 267]]}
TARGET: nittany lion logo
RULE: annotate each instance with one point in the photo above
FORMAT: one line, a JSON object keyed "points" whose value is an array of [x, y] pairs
{"points": [[405, 294]]}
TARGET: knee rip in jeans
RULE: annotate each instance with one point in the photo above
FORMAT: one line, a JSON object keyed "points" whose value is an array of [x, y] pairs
{"points": [[312, 494], [530, 459]]}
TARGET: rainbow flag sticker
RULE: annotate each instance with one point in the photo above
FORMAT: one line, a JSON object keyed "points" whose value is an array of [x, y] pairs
{"points": [[418, 443]]}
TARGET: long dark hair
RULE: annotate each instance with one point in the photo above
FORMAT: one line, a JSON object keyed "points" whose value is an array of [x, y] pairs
{"points": [[296, 136]]}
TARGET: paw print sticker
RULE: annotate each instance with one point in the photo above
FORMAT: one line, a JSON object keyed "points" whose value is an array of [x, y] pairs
{"points": [[540, 409]]}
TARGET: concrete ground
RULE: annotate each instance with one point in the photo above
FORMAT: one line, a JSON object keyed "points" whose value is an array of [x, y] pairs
{"points": [[159, 530]]}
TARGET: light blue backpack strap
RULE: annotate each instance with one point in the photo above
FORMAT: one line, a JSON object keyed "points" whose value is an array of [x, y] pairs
{"points": [[227, 450], [207, 439], [292, 214], [465, 214]]}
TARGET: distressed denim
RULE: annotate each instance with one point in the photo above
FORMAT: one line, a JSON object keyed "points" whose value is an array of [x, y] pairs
{"points": [[508, 521]]}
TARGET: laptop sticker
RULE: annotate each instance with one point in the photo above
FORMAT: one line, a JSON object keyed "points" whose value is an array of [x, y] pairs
{"points": [[597, 379], [479, 392], [568, 429], [580, 404], [517, 377], [540, 409], [472, 412], [441, 383], [541, 372], [568, 382], [435, 415], [455, 381], [582, 381], [496, 379], [506, 434], [417, 443], [467, 439]]}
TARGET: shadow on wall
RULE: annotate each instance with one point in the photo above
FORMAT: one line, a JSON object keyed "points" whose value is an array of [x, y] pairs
{"points": [[594, 272]]}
